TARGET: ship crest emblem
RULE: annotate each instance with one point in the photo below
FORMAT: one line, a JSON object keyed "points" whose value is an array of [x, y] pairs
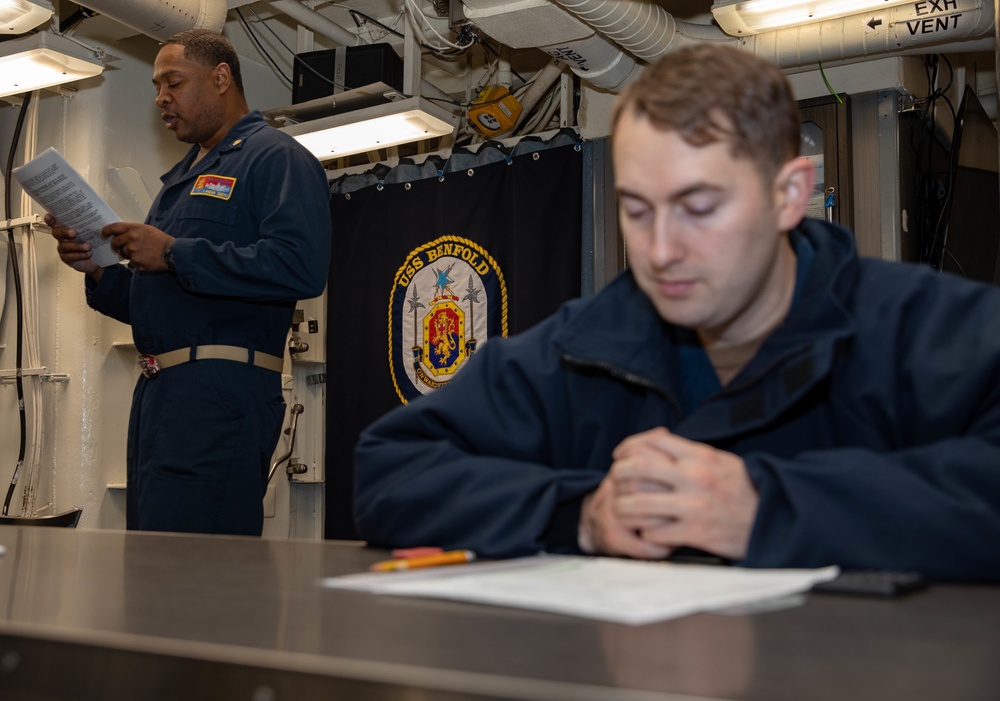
{"points": [[447, 300]]}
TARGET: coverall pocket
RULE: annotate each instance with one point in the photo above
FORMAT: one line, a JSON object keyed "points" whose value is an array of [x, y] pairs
{"points": [[209, 209]]}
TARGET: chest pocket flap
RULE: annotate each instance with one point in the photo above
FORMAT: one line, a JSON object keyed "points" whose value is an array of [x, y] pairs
{"points": [[208, 209]]}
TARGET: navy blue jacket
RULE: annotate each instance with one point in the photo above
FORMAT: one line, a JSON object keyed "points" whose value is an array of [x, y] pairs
{"points": [[869, 422]]}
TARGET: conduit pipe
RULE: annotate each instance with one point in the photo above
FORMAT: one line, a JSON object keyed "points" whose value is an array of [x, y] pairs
{"points": [[895, 31], [161, 19], [316, 22], [539, 87]]}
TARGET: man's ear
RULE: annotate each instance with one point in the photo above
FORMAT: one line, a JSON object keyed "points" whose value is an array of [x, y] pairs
{"points": [[222, 77], [792, 189]]}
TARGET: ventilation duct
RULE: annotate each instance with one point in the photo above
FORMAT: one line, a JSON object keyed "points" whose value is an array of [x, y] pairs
{"points": [[565, 29], [595, 60], [644, 30], [900, 30], [161, 19]]}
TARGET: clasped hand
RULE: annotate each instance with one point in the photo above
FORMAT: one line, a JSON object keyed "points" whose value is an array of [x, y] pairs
{"points": [[663, 492]]}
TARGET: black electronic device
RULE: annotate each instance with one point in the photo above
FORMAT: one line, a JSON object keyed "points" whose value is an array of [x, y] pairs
{"points": [[971, 237], [878, 583], [317, 74]]}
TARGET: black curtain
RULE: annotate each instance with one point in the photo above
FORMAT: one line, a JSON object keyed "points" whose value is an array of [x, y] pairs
{"points": [[429, 262]]}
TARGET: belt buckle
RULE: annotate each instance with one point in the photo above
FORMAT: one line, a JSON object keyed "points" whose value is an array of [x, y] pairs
{"points": [[150, 368]]}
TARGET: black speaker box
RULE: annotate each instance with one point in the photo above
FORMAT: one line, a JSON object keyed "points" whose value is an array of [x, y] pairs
{"points": [[322, 73]]}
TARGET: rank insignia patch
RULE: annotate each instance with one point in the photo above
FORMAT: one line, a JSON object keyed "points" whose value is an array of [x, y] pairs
{"points": [[447, 300], [217, 186]]}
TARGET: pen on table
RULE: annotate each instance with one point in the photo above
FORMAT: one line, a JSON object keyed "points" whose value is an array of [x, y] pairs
{"points": [[451, 557]]}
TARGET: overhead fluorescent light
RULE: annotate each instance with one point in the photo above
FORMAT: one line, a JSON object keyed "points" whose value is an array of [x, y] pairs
{"points": [[370, 128], [42, 60], [744, 17], [20, 16]]}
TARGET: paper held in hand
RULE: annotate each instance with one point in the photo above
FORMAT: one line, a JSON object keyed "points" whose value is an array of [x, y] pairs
{"points": [[53, 183]]}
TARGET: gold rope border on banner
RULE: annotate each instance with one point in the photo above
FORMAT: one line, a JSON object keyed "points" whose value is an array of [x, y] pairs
{"points": [[395, 283]]}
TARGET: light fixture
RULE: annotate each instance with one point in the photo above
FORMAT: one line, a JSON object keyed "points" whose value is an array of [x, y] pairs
{"points": [[744, 17], [19, 16], [42, 60], [367, 129]]}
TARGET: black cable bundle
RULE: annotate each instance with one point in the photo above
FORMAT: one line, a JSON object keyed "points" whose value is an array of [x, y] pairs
{"points": [[19, 304]]}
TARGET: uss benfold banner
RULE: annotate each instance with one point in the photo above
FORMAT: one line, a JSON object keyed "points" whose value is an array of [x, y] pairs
{"points": [[425, 273]]}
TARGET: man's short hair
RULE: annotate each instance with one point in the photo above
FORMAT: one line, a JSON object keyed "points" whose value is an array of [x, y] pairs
{"points": [[709, 93], [210, 49]]}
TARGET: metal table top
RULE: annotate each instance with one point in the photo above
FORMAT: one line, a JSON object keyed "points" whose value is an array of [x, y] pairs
{"points": [[113, 615]]}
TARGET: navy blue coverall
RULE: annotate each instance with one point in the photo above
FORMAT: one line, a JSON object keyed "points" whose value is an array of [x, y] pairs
{"points": [[252, 224]]}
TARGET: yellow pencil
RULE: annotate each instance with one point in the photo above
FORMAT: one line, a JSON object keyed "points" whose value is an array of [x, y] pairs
{"points": [[452, 557]]}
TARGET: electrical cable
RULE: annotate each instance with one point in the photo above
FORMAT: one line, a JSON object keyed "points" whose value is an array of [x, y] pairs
{"points": [[492, 68], [940, 94], [70, 23], [304, 64], [355, 14], [31, 470], [933, 245], [19, 303], [260, 21], [447, 102], [260, 47], [924, 159], [828, 86], [410, 7], [497, 54], [534, 119]]}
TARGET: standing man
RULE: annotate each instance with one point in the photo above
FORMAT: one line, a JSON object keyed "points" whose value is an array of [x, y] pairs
{"points": [[239, 232], [750, 388]]}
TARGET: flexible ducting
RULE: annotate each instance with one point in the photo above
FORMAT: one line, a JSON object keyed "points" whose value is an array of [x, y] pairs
{"points": [[161, 19], [644, 29]]}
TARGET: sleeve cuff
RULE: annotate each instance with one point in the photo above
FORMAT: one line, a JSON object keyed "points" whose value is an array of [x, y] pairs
{"points": [[562, 535]]}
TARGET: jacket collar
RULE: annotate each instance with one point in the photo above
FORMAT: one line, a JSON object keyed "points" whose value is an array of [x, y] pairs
{"points": [[620, 330], [234, 140]]}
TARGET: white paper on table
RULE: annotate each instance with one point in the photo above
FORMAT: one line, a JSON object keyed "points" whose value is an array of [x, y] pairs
{"points": [[53, 183], [611, 589]]}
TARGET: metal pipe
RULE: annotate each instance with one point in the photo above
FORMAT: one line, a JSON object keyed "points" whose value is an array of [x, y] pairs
{"points": [[290, 431], [539, 87], [315, 21]]}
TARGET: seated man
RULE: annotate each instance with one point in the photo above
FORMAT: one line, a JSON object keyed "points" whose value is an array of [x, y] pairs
{"points": [[750, 388]]}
